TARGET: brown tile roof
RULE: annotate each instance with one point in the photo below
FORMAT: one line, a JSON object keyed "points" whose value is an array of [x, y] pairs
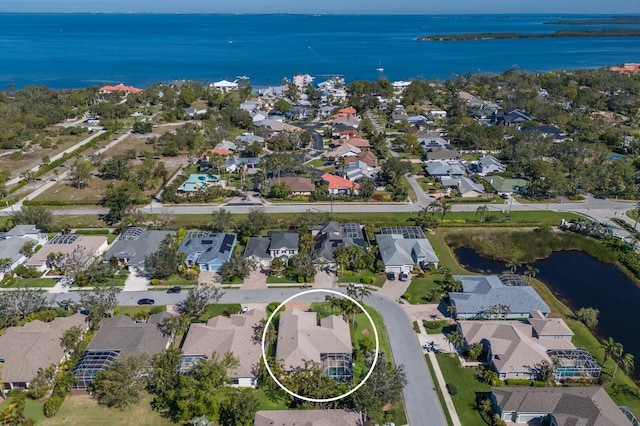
{"points": [[357, 142], [35, 345], [307, 418], [300, 338], [120, 88], [222, 335], [367, 157], [571, 406], [296, 183]]}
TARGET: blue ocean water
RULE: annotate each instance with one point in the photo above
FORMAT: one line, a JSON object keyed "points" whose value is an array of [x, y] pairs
{"points": [[76, 50]]}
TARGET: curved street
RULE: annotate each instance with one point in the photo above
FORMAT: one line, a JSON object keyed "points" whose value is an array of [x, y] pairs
{"points": [[420, 398]]}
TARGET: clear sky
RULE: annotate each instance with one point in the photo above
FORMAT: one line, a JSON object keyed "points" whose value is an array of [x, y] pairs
{"points": [[325, 6]]}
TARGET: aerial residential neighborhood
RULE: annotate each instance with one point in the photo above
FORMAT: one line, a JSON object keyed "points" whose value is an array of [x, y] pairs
{"points": [[144, 269]]}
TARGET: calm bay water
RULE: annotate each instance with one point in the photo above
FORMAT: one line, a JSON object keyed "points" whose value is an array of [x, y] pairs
{"points": [[580, 280], [65, 51]]}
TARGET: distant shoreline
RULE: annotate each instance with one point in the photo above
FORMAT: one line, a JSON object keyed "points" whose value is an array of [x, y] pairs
{"points": [[613, 20], [614, 32]]}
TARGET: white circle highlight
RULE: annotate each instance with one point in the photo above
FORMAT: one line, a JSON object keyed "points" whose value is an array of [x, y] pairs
{"points": [[335, 398]]}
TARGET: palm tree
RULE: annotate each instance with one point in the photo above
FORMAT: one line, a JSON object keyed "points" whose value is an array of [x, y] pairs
{"points": [[485, 407], [451, 310], [454, 339], [445, 208], [627, 363], [513, 265], [611, 348], [531, 272], [352, 291], [482, 211], [363, 292]]}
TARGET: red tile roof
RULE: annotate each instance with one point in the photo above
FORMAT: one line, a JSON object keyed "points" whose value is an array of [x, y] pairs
{"points": [[220, 151], [337, 182], [347, 110], [120, 88]]}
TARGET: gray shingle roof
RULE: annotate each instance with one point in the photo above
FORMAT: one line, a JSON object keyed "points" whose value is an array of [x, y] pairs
{"points": [[283, 240], [397, 251], [123, 333], [209, 245], [258, 247], [571, 406], [136, 246], [334, 235], [481, 292]]}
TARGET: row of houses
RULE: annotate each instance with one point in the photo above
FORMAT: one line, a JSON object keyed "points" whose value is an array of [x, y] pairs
{"points": [[36, 345]]}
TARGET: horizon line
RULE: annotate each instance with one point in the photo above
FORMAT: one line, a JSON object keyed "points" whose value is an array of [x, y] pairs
{"points": [[327, 13]]}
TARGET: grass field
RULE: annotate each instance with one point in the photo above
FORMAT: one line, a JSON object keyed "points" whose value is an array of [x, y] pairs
{"points": [[419, 288], [33, 282], [440, 396], [80, 410], [469, 387]]}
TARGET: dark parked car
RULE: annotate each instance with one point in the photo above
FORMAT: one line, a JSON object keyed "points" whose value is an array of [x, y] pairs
{"points": [[391, 276], [146, 302], [175, 289]]}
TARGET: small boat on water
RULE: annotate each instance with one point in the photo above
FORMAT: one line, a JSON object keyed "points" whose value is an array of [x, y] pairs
{"points": [[379, 69]]}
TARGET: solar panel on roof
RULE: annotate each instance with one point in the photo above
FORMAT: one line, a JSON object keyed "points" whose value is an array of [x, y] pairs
{"points": [[409, 232], [207, 242], [227, 243], [64, 239]]}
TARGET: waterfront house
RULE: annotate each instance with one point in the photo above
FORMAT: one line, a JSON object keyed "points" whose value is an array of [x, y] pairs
{"points": [[402, 247], [225, 86], [481, 296]]}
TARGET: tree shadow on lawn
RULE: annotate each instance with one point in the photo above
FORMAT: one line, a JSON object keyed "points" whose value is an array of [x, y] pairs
{"points": [[276, 395]]}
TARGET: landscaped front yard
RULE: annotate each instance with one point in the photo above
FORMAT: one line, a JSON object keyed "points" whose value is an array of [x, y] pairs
{"points": [[419, 289], [362, 276], [470, 386]]}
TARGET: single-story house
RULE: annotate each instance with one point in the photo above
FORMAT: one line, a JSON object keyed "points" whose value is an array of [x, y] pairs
{"points": [[120, 88], [24, 350], [344, 150], [227, 145], [514, 348], [198, 182], [327, 417], [340, 185], [120, 335], [358, 142], [300, 339], [192, 112], [402, 247], [433, 142], [234, 163], [251, 105], [248, 138], [487, 164], [134, 245], [226, 335], [93, 245], [224, 152], [327, 110], [333, 235], [11, 243], [299, 185], [439, 168], [444, 154], [208, 250], [558, 406], [506, 185], [482, 293], [277, 244], [465, 186]]}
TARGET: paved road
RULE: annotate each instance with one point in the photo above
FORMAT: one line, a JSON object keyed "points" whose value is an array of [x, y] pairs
{"points": [[316, 138], [421, 400]]}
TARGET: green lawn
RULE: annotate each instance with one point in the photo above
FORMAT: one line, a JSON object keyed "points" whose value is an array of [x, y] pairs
{"points": [[33, 282], [271, 399], [271, 279], [444, 253], [356, 277], [220, 309], [419, 288], [80, 410], [176, 279], [133, 310], [439, 392], [32, 410], [468, 384], [437, 327]]}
